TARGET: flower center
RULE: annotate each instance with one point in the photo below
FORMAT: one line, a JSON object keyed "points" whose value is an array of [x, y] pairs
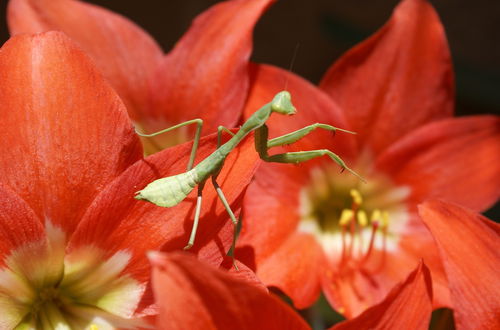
{"points": [[349, 218], [41, 287]]}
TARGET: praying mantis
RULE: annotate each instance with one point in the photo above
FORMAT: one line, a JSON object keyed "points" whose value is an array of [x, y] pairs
{"points": [[171, 190]]}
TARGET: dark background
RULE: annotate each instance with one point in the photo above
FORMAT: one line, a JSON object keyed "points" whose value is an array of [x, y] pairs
{"points": [[324, 29]]}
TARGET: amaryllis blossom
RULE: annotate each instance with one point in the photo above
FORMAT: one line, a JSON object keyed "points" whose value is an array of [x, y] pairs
{"points": [[310, 228], [468, 245], [205, 75], [73, 240], [222, 301]]}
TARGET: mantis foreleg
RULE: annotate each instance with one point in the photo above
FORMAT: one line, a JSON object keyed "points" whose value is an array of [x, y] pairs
{"points": [[299, 134], [262, 146], [199, 125]]}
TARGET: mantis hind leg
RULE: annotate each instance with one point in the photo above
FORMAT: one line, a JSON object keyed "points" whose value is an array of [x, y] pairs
{"points": [[199, 125], [196, 218]]}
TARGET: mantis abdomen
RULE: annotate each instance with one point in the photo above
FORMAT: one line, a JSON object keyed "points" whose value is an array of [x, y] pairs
{"points": [[169, 191]]}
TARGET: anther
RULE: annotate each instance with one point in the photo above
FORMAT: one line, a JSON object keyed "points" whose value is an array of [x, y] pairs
{"points": [[346, 217], [356, 197], [362, 218]]}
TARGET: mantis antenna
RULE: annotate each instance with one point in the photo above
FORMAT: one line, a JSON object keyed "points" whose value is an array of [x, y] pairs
{"points": [[292, 62], [171, 190]]}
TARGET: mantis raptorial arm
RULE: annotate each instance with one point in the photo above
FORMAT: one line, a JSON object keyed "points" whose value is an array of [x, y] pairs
{"points": [[199, 125], [299, 134], [262, 146]]}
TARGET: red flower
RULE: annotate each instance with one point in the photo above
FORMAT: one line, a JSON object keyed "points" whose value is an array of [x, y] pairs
{"points": [[205, 75], [222, 301], [309, 228], [468, 245], [72, 237]]}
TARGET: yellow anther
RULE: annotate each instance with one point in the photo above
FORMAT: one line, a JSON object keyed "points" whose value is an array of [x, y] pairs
{"points": [[376, 216], [362, 218], [346, 217], [93, 327], [356, 196], [385, 219]]}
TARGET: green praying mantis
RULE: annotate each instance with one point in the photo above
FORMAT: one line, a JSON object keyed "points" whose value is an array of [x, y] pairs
{"points": [[172, 190]]}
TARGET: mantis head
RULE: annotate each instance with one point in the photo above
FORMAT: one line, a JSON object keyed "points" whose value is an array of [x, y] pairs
{"points": [[282, 103]]}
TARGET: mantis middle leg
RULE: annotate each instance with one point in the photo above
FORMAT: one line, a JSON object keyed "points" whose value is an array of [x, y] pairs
{"points": [[199, 125], [218, 189], [220, 194]]}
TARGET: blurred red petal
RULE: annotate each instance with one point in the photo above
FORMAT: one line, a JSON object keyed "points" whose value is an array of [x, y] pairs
{"points": [[455, 159], [125, 54], [407, 306], [66, 133], [469, 249], [212, 299], [206, 74], [398, 79], [313, 106]]}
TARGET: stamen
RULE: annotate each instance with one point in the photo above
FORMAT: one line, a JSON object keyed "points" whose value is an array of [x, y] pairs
{"points": [[362, 219], [376, 216], [375, 225], [345, 218], [356, 196]]}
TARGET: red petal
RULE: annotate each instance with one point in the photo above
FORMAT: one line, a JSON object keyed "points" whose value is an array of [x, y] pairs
{"points": [[312, 104], [116, 221], [269, 218], [398, 79], [67, 132], [469, 249], [123, 52], [455, 159], [242, 272], [192, 295], [407, 306], [19, 224], [206, 74]]}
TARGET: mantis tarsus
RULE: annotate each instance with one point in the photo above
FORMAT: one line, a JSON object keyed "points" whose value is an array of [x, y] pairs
{"points": [[170, 191]]}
